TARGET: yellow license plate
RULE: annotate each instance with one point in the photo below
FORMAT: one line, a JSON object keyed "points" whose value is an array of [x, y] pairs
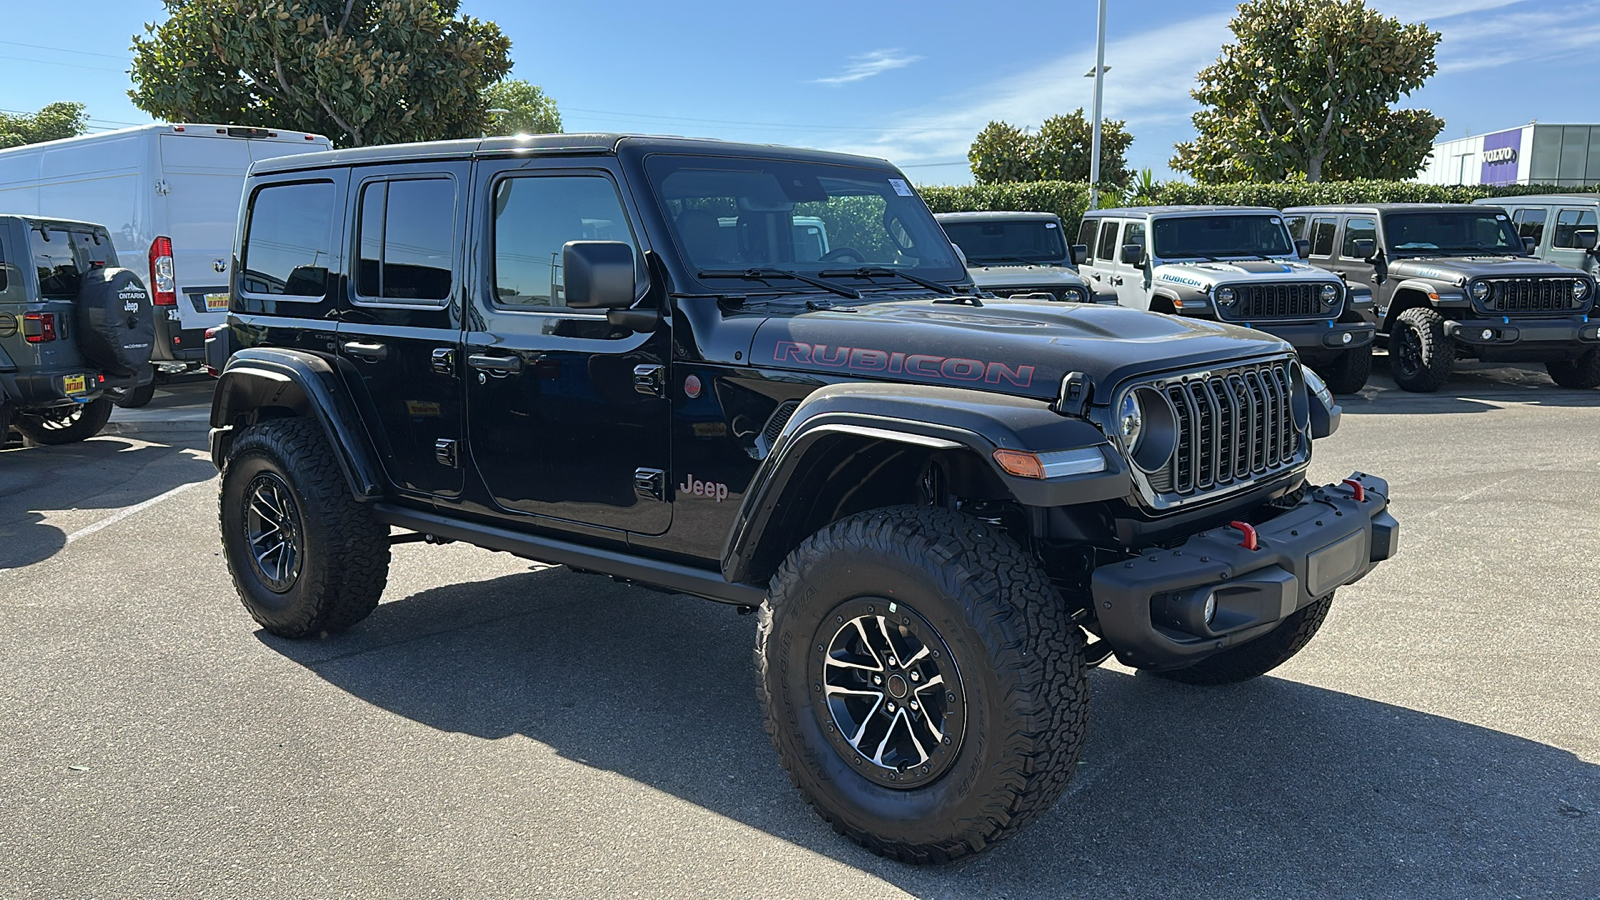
{"points": [[216, 302], [73, 384]]}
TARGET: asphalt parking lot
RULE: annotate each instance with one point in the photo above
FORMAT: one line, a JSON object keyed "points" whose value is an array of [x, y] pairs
{"points": [[499, 728]]}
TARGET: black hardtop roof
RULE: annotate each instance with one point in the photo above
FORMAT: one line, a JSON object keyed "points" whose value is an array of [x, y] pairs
{"points": [[550, 144], [1175, 210], [1382, 207]]}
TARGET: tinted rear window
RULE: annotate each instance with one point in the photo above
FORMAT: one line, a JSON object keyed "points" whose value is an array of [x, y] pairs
{"points": [[62, 255], [289, 242]]}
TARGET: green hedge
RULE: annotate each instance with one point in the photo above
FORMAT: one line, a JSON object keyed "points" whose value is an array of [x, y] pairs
{"points": [[1069, 199]]}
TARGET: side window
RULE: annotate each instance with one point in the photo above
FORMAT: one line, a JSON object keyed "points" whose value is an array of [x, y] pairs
{"points": [[535, 216], [1357, 230], [288, 242], [1296, 226], [406, 230], [1086, 233], [1322, 231], [1530, 222], [1133, 234], [1108, 241], [1568, 223]]}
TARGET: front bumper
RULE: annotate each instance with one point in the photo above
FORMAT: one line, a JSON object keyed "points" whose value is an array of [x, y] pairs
{"points": [[1325, 336], [1151, 609], [1576, 334]]}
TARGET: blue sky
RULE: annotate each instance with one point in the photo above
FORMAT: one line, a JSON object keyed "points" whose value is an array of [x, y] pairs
{"points": [[910, 82]]}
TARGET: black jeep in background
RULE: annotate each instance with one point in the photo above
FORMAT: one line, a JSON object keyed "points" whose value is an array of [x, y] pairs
{"points": [[76, 331], [608, 352], [1456, 280]]}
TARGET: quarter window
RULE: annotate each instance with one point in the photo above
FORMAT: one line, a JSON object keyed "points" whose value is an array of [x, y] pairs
{"points": [[406, 230], [1108, 241], [1568, 223], [288, 243], [1530, 222], [535, 216], [1322, 231], [1357, 230]]}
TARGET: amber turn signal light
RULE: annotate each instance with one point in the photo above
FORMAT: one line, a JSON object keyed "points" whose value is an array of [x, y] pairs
{"points": [[1020, 463]]}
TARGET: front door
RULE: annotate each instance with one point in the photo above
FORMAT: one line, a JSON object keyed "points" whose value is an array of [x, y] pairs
{"points": [[568, 417], [402, 318]]}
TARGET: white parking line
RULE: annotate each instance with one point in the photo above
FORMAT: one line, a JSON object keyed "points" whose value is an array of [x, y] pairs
{"points": [[125, 512]]}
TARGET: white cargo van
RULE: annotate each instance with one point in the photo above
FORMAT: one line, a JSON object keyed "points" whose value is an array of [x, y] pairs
{"points": [[169, 196]]}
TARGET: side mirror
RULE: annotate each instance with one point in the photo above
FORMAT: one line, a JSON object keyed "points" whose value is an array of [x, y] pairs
{"points": [[1529, 244], [1585, 239], [1132, 254], [1302, 248], [598, 274], [1364, 248], [960, 254], [1080, 254]]}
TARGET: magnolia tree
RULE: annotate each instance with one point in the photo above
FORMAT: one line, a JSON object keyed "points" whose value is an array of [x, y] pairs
{"points": [[1060, 151], [1307, 92]]}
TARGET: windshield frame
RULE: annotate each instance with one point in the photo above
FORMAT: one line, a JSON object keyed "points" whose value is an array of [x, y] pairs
{"points": [[1507, 230], [1048, 226], [899, 198], [1158, 251]]}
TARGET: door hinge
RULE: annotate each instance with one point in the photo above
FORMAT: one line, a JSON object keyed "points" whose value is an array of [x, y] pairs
{"points": [[444, 450], [444, 360], [650, 484], [650, 379]]}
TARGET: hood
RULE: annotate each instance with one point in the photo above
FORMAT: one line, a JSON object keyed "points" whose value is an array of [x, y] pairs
{"points": [[1454, 269], [1042, 276], [1206, 275], [1018, 347]]}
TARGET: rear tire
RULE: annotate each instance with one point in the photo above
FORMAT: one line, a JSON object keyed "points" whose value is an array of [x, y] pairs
{"points": [[965, 605], [1580, 374], [305, 557], [1348, 372], [134, 398], [1421, 355], [65, 425], [1261, 655]]}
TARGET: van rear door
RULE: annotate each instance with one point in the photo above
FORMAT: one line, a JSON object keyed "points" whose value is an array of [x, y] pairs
{"points": [[202, 178]]}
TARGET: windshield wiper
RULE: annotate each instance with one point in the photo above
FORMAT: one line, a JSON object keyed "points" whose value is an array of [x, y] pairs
{"points": [[870, 271], [762, 273]]}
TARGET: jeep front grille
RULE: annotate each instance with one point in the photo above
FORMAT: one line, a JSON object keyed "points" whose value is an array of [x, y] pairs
{"points": [[1278, 301], [1525, 295], [1234, 426]]}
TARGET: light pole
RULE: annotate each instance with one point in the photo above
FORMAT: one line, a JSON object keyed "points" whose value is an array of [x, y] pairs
{"points": [[1099, 74]]}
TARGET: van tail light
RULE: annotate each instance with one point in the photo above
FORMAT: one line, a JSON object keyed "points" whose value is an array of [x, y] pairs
{"points": [[39, 327], [163, 283]]}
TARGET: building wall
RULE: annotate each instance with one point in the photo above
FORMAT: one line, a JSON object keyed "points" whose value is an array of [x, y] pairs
{"points": [[1565, 155]]}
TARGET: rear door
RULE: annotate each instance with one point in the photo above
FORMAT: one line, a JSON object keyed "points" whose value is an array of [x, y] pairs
{"points": [[400, 322], [1573, 237], [198, 192]]}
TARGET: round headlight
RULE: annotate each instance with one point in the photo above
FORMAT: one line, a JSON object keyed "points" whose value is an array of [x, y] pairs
{"points": [[1580, 289], [1480, 290], [1330, 294], [1130, 422], [1226, 296]]}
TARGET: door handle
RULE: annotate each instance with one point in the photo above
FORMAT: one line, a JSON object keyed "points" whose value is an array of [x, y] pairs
{"points": [[498, 365], [1117, 280], [368, 352]]}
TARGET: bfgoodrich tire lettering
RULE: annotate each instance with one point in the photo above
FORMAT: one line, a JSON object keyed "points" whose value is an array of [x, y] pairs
{"points": [[331, 570], [1021, 706]]}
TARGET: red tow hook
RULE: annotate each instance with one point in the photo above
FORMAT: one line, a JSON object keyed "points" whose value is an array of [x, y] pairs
{"points": [[1249, 532], [1356, 488]]}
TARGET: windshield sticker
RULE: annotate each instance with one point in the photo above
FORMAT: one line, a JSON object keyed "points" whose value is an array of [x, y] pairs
{"points": [[1049, 225], [900, 186]]}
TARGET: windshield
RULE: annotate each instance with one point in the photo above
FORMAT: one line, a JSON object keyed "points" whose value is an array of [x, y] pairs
{"points": [[734, 215], [1454, 231], [1220, 236], [1012, 242]]}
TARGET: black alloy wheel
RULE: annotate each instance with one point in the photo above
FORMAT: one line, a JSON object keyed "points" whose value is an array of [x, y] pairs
{"points": [[889, 692], [1408, 353], [274, 531]]}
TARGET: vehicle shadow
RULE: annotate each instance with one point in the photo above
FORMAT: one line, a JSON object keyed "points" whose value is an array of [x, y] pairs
{"points": [[1474, 387], [1271, 788], [105, 472]]}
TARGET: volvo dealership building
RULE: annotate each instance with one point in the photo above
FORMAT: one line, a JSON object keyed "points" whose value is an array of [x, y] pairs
{"points": [[1565, 155]]}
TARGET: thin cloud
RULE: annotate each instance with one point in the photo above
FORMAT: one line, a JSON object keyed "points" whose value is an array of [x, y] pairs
{"points": [[1482, 42], [868, 65]]}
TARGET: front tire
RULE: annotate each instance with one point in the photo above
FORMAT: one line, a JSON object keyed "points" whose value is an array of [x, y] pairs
{"points": [[1421, 355], [1581, 374], [1348, 372], [1261, 655], [878, 603], [305, 557], [64, 425]]}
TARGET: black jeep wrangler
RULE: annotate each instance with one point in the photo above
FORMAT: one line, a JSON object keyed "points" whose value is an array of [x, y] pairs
{"points": [[76, 331], [1456, 280], [945, 507]]}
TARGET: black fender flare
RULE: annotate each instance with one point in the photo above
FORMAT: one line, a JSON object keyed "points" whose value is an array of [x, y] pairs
{"points": [[938, 418], [293, 382]]}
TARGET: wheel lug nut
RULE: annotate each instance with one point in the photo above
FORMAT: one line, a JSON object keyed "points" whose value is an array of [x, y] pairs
{"points": [[915, 677], [913, 704], [877, 679]]}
